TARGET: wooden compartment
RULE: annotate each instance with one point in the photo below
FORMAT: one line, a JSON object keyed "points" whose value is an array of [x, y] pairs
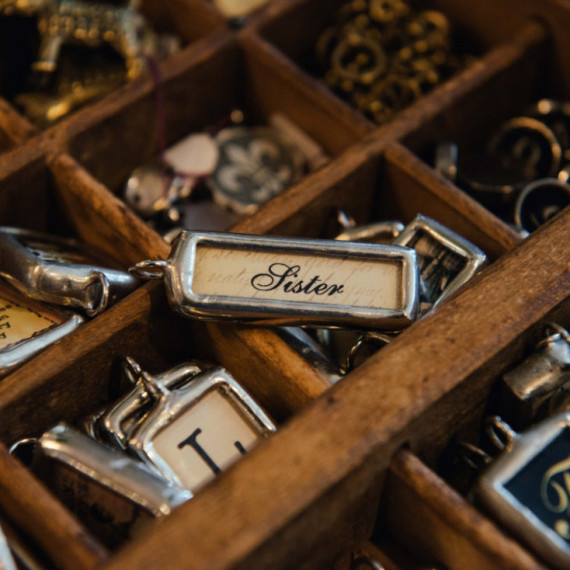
{"points": [[310, 494], [189, 20]]}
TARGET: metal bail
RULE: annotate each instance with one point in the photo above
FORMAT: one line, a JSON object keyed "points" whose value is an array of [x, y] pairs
{"points": [[473, 456], [153, 387], [132, 370], [500, 433], [367, 338], [149, 269]]}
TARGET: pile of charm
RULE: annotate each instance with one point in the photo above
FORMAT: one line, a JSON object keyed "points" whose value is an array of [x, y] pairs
{"points": [[521, 172], [49, 286], [149, 451], [381, 55], [208, 179]]}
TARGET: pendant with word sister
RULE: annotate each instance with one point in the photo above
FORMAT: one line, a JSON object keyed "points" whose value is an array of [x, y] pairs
{"points": [[277, 281]]}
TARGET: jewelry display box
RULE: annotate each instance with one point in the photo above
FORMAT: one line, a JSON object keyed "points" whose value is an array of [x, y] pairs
{"points": [[348, 460]]}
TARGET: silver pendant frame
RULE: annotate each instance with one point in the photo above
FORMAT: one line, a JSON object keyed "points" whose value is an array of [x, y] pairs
{"points": [[179, 274], [112, 469], [17, 353], [474, 257], [173, 404]]}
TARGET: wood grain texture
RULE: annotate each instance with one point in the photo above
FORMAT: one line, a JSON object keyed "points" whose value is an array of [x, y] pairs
{"points": [[188, 19], [15, 127], [278, 378], [28, 505], [279, 85], [101, 219], [421, 511], [286, 487]]}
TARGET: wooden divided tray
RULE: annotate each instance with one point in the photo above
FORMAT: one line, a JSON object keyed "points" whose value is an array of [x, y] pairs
{"points": [[352, 466]]}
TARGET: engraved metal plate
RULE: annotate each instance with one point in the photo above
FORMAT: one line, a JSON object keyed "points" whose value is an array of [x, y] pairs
{"points": [[196, 431], [446, 259], [528, 489], [277, 281]]}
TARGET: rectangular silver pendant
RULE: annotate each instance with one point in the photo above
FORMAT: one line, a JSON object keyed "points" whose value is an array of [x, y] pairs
{"points": [[280, 281], [61, 271], [528, 488]]}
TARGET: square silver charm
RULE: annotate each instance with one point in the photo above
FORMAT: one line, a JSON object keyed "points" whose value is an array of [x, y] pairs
{"points": [[194, 432], [119, 420], [528, 488]]}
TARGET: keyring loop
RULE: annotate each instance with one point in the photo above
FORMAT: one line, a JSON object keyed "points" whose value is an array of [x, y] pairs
{"points": [[365, 338], [149, 269], [500, 433]]}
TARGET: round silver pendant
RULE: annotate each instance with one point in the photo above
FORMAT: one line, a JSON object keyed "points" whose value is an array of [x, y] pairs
{"points": [[254, 165]]}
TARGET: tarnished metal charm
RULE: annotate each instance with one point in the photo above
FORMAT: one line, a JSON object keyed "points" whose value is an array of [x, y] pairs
{"points": [[446, 259], [112, 493], [254, 165], [529, 389]]}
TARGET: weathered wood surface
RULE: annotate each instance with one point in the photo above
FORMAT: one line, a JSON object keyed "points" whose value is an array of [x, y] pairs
{"points": [[26, 503]]}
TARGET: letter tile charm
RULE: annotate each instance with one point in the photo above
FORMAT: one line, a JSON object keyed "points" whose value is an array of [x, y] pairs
{"points": [[278, 281], [528, 486], [194, 432]]}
